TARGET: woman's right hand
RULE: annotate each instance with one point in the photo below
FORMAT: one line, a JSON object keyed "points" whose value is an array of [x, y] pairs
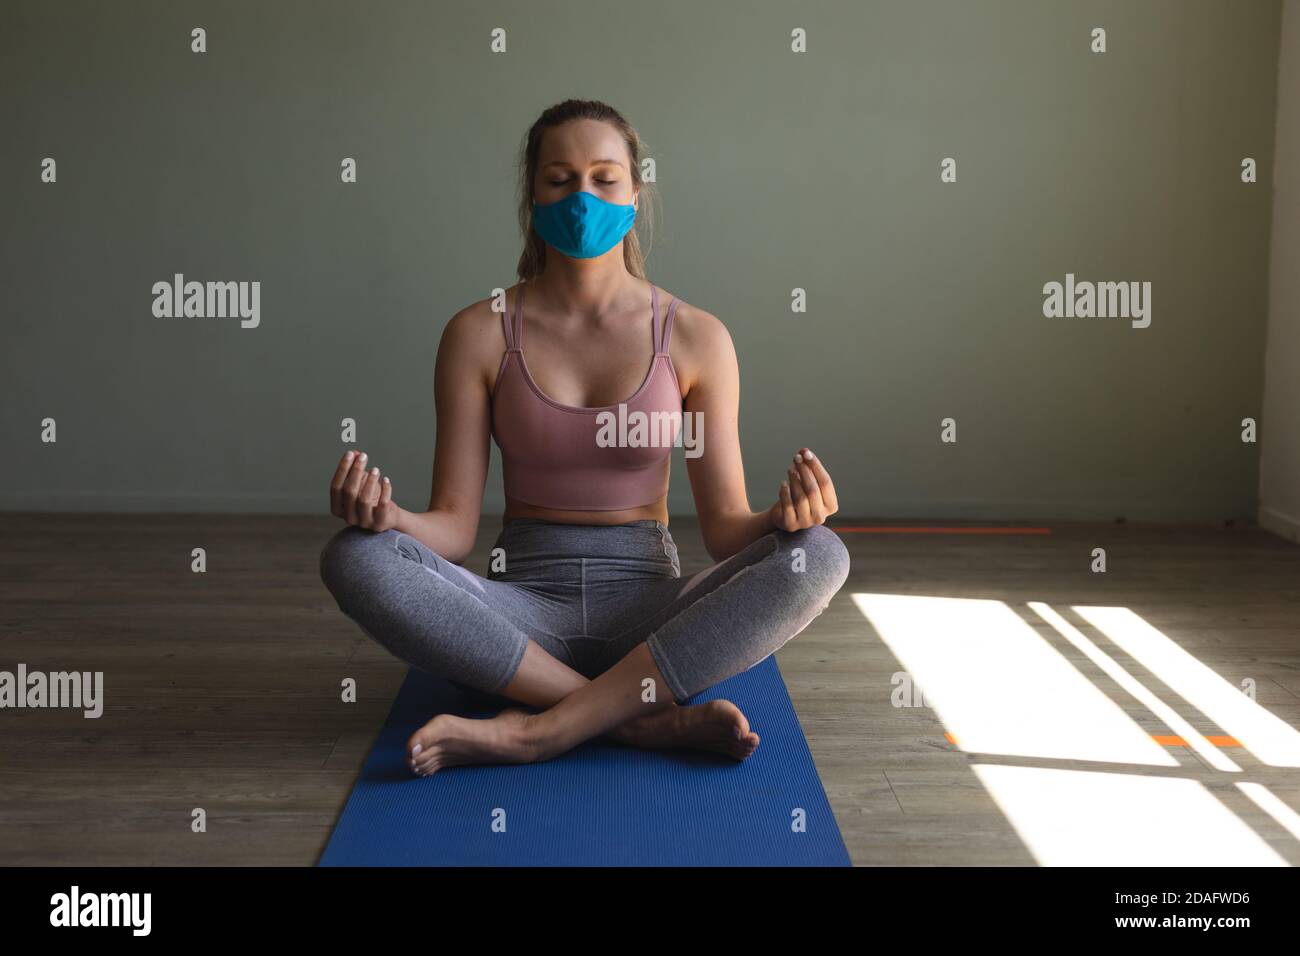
{"points": [[361, 497]]}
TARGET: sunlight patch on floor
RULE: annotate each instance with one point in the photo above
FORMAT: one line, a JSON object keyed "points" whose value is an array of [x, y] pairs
{"points": [[1087, 818], [999, 687], [1270, 739]]}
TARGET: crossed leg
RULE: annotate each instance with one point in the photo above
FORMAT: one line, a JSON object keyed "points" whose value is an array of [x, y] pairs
{"points": [[444, 619], [732, 617]]}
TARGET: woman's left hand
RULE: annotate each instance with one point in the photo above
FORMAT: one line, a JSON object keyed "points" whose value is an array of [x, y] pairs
{"points": [[807, 496]]}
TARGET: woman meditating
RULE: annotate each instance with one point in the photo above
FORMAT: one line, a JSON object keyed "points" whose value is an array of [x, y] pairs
{"points": [[584, 616]]}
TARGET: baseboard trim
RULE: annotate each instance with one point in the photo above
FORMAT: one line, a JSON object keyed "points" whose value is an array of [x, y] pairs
{"points": [[1280, 523]]}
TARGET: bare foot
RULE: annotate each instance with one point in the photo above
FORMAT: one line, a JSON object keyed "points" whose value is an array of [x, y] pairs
{"points": [[716, 725], [448, 740]]}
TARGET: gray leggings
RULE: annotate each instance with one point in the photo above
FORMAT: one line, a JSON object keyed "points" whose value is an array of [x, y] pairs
{"points": [[587, 594]]}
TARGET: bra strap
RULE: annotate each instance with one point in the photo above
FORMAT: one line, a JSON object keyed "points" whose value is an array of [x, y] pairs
{"points": [[512, 322], [654, 316], [668, 326]]}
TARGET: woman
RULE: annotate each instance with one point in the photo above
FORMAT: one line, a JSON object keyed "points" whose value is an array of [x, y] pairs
{"points": [[584, 615]]}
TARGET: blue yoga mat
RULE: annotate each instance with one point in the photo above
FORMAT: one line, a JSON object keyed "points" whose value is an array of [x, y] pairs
{"points": [[600, 804]]}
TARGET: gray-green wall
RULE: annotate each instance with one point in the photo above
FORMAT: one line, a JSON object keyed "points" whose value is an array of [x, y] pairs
{"points": [[778, 170], [1279, 485]]}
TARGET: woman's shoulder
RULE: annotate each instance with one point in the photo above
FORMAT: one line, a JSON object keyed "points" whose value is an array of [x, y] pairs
{"points": [[700, 341], [694, 325], [480, 323], [475, 337]]}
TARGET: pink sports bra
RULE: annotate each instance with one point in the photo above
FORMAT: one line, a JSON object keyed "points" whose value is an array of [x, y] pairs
{"points": [[552, 454]]}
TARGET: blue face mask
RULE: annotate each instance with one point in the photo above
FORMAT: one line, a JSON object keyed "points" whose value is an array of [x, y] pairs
{"points": [[582, 225]]}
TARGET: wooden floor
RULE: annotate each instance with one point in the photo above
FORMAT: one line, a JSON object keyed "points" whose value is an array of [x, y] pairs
{"points": [[222, 689]]}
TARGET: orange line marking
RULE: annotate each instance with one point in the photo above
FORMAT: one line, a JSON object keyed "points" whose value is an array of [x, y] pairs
{"points": [[934, 529], [1173, 740]]}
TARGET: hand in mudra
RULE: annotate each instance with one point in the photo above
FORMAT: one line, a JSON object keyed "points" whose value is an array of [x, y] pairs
{"points": [[807, 496], [362, 498]]}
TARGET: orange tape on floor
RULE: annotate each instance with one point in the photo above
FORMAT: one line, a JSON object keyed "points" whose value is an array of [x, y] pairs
{"points": [[934, 529]]}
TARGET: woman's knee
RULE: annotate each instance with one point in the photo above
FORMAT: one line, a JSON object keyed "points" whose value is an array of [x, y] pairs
{"points": [[821, 557], [350, 558]]}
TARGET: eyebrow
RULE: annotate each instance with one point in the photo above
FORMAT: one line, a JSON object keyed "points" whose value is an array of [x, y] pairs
{"points": [[598, 162]]}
